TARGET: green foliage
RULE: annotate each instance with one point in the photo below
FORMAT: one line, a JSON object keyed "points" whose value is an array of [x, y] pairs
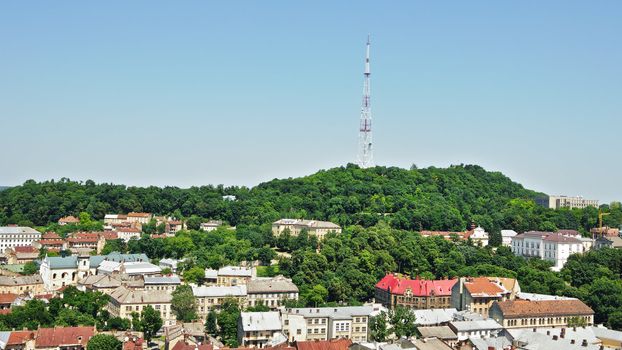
{"points": [[210, 324], [184, 304], [194, 222], [194, 275], [30, 268], [150, 322], [114, 245], [577, 322], [402, 321], [104, 342], [227, 321], [378, 327]]}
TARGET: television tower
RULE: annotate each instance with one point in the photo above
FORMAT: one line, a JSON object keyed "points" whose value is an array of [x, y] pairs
{"points": [[366, 156]]}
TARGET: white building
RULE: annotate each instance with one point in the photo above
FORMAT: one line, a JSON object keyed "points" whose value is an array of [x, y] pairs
{"points": [[271, 291], [127, 233], [210, 225], [17, 236], [130, 268], [479, 236], [506, 237], [557, 202], [313, 227], [170, 264], [481, 329], [554, 247], [212, 297], [259, 329]]}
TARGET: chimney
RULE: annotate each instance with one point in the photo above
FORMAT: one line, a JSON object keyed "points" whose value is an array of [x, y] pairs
{"points": [[554, 337], [584, 342], [534, 329], [571, 341], [548, 332]]}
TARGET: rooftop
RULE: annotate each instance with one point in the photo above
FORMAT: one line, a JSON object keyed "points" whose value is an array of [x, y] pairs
{"points": [[398, 284], [126, 296], [172, 279], [63, 336], [261, 321], [12, 230], [338, 312], [433, 316], [466, 326], [218, 291], [307, 223], [271, 285], [440, 332], [485, 286], [543, 308], [548, 236], [333, 344]]}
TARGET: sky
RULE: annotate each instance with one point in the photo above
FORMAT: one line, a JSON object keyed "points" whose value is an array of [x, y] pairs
{"points": [[190, 93]]}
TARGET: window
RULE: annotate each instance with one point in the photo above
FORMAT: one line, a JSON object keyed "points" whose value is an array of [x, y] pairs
{"points": [[298, 331]]}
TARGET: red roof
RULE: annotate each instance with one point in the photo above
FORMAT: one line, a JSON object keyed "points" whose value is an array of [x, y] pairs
{"points": [[483, 286], [139, 215], [333, 344], [133, 344], [5, 311], [158, 236], [69, 219], [47, 242], [63, 336], [183, 346], [128, 229], [7, 298], [397, 284], [20, 337], [50, 235], [110, 235], [447, 234], [25, 249]]}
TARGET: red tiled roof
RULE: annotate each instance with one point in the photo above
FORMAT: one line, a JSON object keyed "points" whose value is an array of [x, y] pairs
{"points": [[158, 236], [183, 346], [447, 234], [47, 242], [20, 337], [543, 308], [62, 336], [69, 219], [110, 235], [483, 286], [396, 284], [128, 229], [333, 344], [7, 298], [139, 215], [133, 345], [174, 222], [25, 249], [50, 235]]}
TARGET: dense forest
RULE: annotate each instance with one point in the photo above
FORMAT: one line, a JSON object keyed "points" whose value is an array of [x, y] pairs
{"points": [[415, 199]]}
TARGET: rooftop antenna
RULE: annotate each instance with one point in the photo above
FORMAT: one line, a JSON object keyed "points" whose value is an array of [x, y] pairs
{"points": [[365, 152]]}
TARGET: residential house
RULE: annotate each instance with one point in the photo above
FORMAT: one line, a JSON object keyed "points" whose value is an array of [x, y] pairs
{"points": [[212, 297], [22, 285], [484, 329], [550, 246], [332, 344], [142, 218], [130, 268], [397, 290], [7, 300], [17, 236], [68, 220], [124, 301], [608, 242], [477, 294], [211, 225], [507, 236], [271, 291], [313, 227], [170, 264], [21, 340], [541, 313], [162, 283], [434, 317], [110, 219], [127, 233], [86, 242], [63, 338], [174, 226], [21, 255], [259, 329], [430, 344], [444, 333], [51, 242], [230, 275]]}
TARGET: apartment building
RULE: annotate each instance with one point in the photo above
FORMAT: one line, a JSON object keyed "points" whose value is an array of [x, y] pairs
{"points": [[271, 291], [540, 313], [21, 255], [22, 285], [17, 236], [161, 283], [142, 218], [351, 322], [313, 227], [550, 246], [211, 225], [212, 297], [229, 276], [128, 232], [477, 294], [63, 338], [259, 329], [557, 202], [398, 290], [123, 302]]}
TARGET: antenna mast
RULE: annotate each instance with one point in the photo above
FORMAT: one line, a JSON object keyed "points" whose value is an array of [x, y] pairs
{"points": [[366, 156]]}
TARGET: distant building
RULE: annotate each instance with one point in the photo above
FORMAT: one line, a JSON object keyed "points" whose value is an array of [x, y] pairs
{"points": [[129, 268], [482, 329], [142, 218], [162, 283], [174, 226], [127, 233], [86, 242], [396, 290], [63, 338], [229, 276], [542, 313], [17, 236], [212, 297], [51, 242], [21, 255], [478, 235], [170, 264], [507, 236], [557, 202], [608, 242], [211, 225], [271, 291], [110, 219], [443, 333], [332, 344], [313, 227], [22, 285], [550, 246], [68, 220], [258, 329], [477, 294], [124, 301]]}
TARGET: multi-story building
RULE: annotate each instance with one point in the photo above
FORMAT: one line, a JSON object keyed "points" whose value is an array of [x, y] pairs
{"points": [[481, 329], [211, 225], [127, 233], [478, 235], [212, 297], [507, 236], [63, 338], [396, 290], [174, 226], [142, 218], [51, 242], [162, 283], [229, 276], [313, 227], [22, 285], [477, 294], [110, 219], [86, 241], [124, 301], [17, 236], [325, 323], [550, 246], [21, 255], [130, 268], [557, 202], [271, 292], [540, 313], [259, 329]]}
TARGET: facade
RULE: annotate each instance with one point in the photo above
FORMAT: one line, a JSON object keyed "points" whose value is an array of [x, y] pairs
{"points": [[507, 236], [142, 218], [211, 225], [554, 247], [608, 242], [479, 236], [161, 283], [86, 241], [258, 329], [22, 285], [127, 233], [21, 255], [174, 226], [542, 313], [130, 268], [482, 329], [212, 297], [110, 219], [124, 301], [271, 292], [17, 236], [169, 263], [477, 294], [313, 227], [326, 323], [396, 290], [229, 276], [557, 202]]}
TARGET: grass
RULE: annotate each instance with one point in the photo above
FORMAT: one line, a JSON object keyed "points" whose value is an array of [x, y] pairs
{"points": [[268, 271]]}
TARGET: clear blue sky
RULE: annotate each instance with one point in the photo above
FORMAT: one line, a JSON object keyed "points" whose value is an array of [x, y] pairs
{"points": [[190, 93]]}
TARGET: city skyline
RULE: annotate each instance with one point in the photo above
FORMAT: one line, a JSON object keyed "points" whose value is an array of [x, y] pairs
{"points": [[164, 94]]}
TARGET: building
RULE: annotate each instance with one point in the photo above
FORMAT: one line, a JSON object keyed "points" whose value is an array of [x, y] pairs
{"points": [[127, 233], [608, 242], [21, 255], [313, 227], [444, 333], [142, 218], [174, 226], [110, 219], [541, 313], [22, 285], [258, 329], [86, 242], [271, 291], [332, 344], [130, 268], [124, 301], [484, 329], [229, 276], [477, 294], [100, 283], [63, 338], [326, 323], [479, 236], [507, 236], [17, 236], [212, 297], [434, 317], [550, 246], [557, 202], [395, 289], [211, 225], [162, 283], [168, 263], [51, 242], [430, 344], [68, 220], [605, 231]]}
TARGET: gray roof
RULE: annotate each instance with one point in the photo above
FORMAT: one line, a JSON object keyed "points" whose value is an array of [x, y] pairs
{"points": [[127, 296], [308, 223], [605, 333], [235, 271], [495, 342], [433, 316], [431, 344], [338, 313], [440, 332], [70, 262], [530, 340], [277, 284], [218, 291], [4, 338], [20, 280], [12, 230], [261, 321], [535, 296], [173, 279], [466, 326]]}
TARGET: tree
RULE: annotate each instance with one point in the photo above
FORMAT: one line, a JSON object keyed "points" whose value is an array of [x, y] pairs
{"points": [[378, 327], [576, 321], [195, 275], [118, 323], [210, 323], [403, 322], [104, 342], [184, 303], [317, 295], [30, 268], [194, 223], [228, 322], [150, 322]]}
